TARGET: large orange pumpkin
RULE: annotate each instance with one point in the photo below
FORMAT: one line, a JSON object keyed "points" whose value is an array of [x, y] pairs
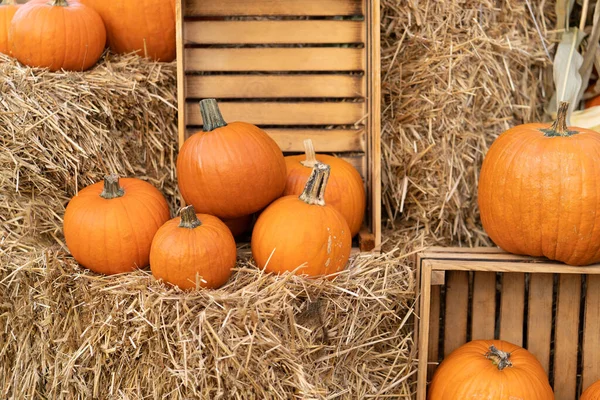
{"points": [[8, 8], [303, 231], [229, 170], [592, 392], [538, 191], [144, 26], [194, 250], [73, 35], [491, 370], [109, 226], [345, 190]]}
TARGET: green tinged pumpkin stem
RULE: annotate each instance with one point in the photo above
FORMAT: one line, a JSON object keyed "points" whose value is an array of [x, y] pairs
{"points": [[314, 190], [60, 3], [211, 115], [188, 218], [559, 127], [8, 3], [498, 357], [112, 190], [311, 156]]}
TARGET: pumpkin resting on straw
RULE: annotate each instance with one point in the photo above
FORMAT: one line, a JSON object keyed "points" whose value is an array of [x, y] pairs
{"points": [[8, 8]]}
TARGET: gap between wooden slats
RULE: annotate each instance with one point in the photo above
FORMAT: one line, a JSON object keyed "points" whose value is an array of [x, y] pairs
{"points": [[274, 32], [567, 335], [279, 113], [591, 332], [539, 317], [434, 330], [457, 302], [512, 307], [275, 86], [275, 59], [484, 306], [273, 7]]}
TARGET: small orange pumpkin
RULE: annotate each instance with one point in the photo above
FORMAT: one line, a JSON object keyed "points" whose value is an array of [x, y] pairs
{"points": [[229, 170], [303, 231], [109, 226], [193, 250], [490, 369], [345, 189], [8, 8], [538, 193], [592, 392]]}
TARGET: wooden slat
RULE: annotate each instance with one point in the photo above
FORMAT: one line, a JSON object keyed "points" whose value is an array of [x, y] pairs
{"points": [[461, 251], [512, 307], [275, 86], [434, 331], [424, 319], [275, 59], [566, 341], [591, 332], [180, 73], [278, 113], [274, 32], [484, 306], [273, 7], [539, 317], [457, 298], [510, 266]]}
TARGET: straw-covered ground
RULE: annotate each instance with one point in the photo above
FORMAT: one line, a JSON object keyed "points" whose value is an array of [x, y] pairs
{"points": [[455, 74]]}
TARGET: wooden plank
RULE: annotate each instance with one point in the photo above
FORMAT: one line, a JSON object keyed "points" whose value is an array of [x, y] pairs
{"points": [[274, 32], [539, 317], [180, 74], [434, 331], [273, 7], [275, 59], [424, 325], [275, 86], [483, 321], [566, 340], [507, 266], [457, 302], [591, 332], [288, 113], [512, 307], [464, 250]]}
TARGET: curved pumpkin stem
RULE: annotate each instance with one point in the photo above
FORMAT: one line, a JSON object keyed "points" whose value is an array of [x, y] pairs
{"points": [[8, 3], [112, 190], [559, 127], [499, 358], [60, 3], [311, 156], [189, 219], [314, 190], [211, 115]]}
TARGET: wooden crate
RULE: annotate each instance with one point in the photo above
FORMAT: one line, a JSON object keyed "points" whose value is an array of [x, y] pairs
{"points": [[549, 308], [298, 69]]}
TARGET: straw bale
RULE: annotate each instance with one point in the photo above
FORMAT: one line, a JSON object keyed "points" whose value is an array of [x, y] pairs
{"points": [[455, 75], [60, 131], [71, 334]]}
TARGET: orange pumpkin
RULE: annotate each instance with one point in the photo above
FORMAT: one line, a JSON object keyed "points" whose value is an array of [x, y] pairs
{"points": [[239, 226], [345, 190], [229, 170], [109, 226], [194, 250], [538, 193], [592, 392], [73, 35], [144, 26], [303, 232], [8, 8], [490, 369]]}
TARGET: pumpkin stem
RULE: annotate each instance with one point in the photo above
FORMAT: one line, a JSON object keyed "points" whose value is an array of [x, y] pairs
{"points": [[314, 191], [8, 3], [559, 127], [499, 358], [112, 190], [211, 115], [60, 3], [311, 157], [188, 218]]}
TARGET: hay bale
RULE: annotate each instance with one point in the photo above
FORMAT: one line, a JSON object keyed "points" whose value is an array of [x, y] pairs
{"points": [[68, 333], [455, 75], [61, 131]]}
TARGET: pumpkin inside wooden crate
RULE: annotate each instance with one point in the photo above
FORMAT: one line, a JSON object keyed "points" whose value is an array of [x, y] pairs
{"points": [[299, 70]]}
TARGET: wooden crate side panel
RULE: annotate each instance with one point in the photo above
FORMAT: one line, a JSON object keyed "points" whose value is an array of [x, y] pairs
{"points": [[457, 304], [591, 332], [567, 337], [539, 317], [512, 307], [483, 320], [434, 330], [273, 7]]}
